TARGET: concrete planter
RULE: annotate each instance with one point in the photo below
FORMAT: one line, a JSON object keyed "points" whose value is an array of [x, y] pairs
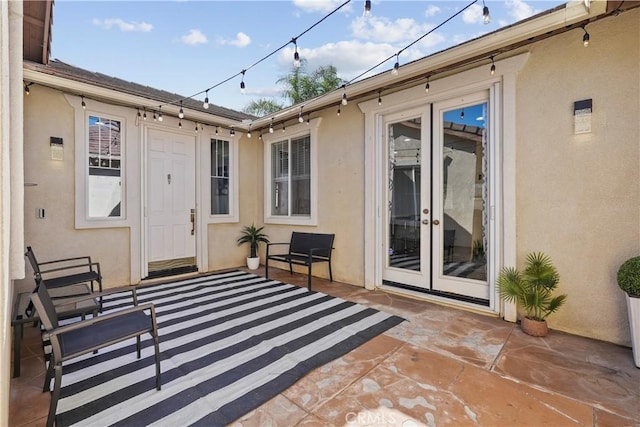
{"points": [[633, 310]]}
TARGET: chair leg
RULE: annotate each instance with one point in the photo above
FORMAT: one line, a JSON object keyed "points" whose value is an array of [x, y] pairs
{"points": [[266, 267], [290, 268], [47, 378], [330, 273], [157, 348], [54, 396], [309, 278], [138, 346]]}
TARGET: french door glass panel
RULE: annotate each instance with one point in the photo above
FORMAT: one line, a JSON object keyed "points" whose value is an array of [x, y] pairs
{"points": [[407, 238], [460, 200]]}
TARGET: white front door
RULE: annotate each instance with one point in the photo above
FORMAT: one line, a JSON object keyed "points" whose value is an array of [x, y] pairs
{"points": [[171, 191], [435, 211]]}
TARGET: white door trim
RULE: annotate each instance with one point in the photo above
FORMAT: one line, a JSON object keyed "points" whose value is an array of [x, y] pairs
{"points": [[502, 87]]}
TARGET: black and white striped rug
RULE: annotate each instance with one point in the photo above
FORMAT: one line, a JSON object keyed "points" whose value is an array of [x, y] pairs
{"points": [[229, 343]]}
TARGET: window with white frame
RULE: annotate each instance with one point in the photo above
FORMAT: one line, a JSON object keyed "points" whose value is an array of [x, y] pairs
{"points": [[104, 163], [291, 177], [220, 177]]}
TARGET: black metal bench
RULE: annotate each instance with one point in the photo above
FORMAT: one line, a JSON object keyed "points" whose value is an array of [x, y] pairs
{"points": [[304, 249]]}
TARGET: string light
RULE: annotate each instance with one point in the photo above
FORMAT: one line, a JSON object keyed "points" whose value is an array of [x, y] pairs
{"points": [[216, 130], [338, 113], [493, 66], [181, 113], [283, 128], [367, 8], [344, 95], [84, 104], [180, 123], [296, 55], [462, 114], [242, 82], [426, 87], [232, 132], [308, 119], [155, 118], [300, 118], [396, 66], [260, 136], [205, 104], [26, 88], [144, 115], [379, 97], [196, 127], [486, 17], [271, 126], [585, 38], [249, 132], [139, 113]]}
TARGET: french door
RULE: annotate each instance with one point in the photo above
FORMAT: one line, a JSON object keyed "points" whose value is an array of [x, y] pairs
{"points": [[436, 215]]}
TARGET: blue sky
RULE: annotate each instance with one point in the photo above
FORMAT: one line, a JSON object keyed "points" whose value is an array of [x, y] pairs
{"points": [[187, 46]]}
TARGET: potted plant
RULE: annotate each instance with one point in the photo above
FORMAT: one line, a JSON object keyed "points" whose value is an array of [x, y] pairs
{"points": [[252, 235], [629, 282], [532, 289]]}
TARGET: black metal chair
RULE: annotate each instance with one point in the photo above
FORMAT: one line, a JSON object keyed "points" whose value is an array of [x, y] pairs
{"points": [[64, 272], [90, 335]]}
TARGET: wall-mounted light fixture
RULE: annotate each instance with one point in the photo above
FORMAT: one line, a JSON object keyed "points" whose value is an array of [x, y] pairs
{"points": [[56, 147]]}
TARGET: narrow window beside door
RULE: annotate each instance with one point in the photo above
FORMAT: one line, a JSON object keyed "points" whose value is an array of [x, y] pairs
{"points": [[104, 185], [219, 177]]}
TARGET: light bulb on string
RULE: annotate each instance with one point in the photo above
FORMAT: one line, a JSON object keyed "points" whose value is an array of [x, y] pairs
{"points": [[367, 8], [486, 17], [232, 132], [249, 132], [396, 67], [493, 66], [144, 115], [216, 130], [300, 118], [160, 113], [84, 104], [426, 87], [242, 85], [271, 126], [180, 123], [585, 37], [344, 98], [296, 55], [181, 112], [462, 114], [308, 119], [338, 113], [205, 104], [155, 117], [196, 127], [284, 129], [379, 98]]}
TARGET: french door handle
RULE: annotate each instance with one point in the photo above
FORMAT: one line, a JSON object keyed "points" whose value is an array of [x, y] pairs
{"points": [[435, 222], [193, 222], [425, 221]]}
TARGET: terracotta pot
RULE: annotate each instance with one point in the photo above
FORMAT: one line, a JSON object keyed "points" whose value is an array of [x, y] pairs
{"points": [[535, 328]]}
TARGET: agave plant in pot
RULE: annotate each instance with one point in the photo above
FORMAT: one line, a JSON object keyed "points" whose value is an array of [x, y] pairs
{"points": [[532, 289], [629, 281], [252, 235]]}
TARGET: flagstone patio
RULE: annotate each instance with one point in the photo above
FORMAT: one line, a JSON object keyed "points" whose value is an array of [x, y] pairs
{"points": [[443, 366]]}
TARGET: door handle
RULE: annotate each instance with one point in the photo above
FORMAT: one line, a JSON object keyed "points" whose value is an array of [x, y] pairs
{"points": [[425, 221], [193, 222], [435, 222]]}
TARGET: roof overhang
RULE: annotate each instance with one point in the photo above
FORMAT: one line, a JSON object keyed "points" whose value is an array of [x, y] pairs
{"points": [[36, 30], [33, 73]]}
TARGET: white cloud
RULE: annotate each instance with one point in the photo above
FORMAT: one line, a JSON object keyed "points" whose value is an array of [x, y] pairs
{"points": [[381, 29], [241, 40], [431, 11], [519, 10], [122, 25], [473, 15], [194, 37], [324, 6]]}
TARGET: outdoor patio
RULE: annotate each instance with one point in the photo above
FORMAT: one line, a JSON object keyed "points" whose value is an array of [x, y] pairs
{"points": [[443, 366]]}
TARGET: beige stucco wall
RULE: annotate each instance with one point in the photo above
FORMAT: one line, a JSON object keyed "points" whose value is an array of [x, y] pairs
{"points": [[47, 113], [578, 196]]}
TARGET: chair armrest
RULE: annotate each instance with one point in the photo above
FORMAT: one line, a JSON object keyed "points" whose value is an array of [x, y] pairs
{"points": [[88, 322], [70, 267], [88, 258], [112, 291], [312, 250], [276, 244]]}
